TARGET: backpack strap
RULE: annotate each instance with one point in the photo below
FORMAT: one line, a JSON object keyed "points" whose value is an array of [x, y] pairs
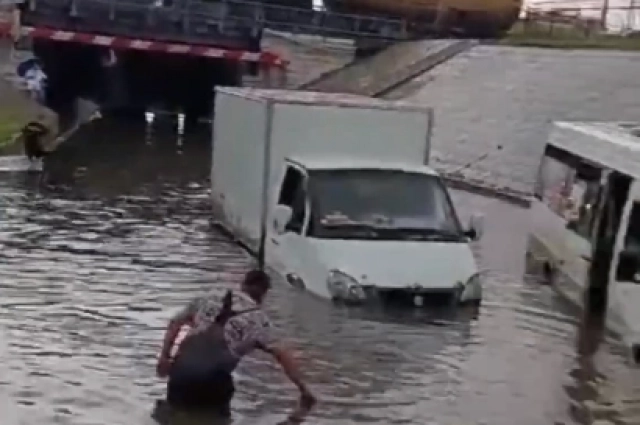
{"points": [[226, 309], [222, 318], [241, 312]]}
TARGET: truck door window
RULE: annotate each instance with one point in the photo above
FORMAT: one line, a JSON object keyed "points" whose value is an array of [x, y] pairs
{"points": [[293, 194]]}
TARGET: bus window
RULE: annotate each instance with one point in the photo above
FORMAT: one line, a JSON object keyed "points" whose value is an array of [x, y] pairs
{"points": [[552, 184], [584, 198], [570, 187], [629, 262]]}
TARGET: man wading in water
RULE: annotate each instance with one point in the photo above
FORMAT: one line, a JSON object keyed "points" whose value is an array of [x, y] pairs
{"points": [[224, 328]]}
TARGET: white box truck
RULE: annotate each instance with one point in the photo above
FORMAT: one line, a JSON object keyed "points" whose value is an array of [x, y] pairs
{"points": [[333, 192]]}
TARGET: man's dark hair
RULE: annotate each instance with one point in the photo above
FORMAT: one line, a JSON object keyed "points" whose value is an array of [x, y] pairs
{"points": [[257, 283], [257, 279]]}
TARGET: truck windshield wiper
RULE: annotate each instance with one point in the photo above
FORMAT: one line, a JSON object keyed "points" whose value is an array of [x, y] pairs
{"points": [[356, 225], [408, 233], [429, 234]]}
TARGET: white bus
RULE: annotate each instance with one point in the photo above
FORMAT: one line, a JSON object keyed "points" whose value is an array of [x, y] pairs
{"points": [[585, 230]]}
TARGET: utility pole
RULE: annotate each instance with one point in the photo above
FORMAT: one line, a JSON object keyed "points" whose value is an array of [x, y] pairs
{"points": [[603, 15], [631, 15]]}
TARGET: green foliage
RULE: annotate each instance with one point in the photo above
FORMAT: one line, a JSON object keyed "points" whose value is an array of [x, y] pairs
{"points": [[539, 34]]}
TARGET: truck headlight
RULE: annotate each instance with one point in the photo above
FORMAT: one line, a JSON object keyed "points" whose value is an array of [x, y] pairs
{"points": [[474, 280], [472, 289], [344, 287]]}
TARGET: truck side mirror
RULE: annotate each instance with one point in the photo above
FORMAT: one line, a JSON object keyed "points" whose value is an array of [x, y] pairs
{"points": [[281, 217], [476, 227]]}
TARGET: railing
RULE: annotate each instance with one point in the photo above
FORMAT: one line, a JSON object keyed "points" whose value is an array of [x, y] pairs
{"points": [[232, 23], [570, 29], [140, 20], [551, 21], [328, 24], [584, 18]]}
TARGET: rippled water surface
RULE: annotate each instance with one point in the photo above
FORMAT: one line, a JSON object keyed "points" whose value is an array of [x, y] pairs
{"points": [[92, 265]]}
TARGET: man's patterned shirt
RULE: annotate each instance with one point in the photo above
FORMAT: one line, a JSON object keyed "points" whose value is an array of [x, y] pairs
{"points": [[243, 332]]}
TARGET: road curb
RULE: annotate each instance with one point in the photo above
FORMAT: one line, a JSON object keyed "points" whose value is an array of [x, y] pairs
{"points": [[426, 64], [521, 199], [387, 83]]}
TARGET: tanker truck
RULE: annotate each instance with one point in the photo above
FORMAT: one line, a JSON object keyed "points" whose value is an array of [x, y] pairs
{"points": [[462, 18], [459, 18]]}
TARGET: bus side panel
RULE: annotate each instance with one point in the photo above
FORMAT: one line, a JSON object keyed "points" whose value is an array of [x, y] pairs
{"points": [[238, 163], [552, 243]]}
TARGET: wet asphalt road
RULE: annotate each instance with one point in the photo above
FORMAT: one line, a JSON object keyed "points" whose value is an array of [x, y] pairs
{"points": [[498, 95]]}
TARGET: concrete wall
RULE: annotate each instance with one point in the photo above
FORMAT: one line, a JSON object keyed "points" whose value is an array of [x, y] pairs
{"points": [[504, 95]]}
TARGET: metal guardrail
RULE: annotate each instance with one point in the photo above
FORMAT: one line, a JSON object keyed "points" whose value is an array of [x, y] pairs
{"points": [[330, 24], [230, 23], [140, 20]]}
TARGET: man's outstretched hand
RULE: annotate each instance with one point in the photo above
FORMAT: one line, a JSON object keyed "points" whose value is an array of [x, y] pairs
{"points": [[307, 401], [305, 404], [163, 366]]}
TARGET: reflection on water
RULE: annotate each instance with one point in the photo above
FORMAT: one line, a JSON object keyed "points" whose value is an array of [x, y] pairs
{"points": [[92, 264]]}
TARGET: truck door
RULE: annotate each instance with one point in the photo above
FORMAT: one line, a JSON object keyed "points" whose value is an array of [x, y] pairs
{"points": [[287, 247]]}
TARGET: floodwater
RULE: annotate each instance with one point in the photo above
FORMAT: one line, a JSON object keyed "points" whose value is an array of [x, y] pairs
{"points": [[96, 255]]}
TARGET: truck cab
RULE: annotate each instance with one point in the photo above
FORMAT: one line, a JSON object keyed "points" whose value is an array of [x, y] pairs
{"points": [[355, 231]]}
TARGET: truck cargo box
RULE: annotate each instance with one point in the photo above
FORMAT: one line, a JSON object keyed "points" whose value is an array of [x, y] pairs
{"points": [[254, 130]]}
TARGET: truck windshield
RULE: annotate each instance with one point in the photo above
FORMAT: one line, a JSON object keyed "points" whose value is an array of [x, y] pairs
{"points": [[381, 204]]}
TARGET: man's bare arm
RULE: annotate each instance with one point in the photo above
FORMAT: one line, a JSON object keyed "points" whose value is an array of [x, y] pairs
{"points": [[267, 341], [185, 316], [170, 335], [286, 360]]}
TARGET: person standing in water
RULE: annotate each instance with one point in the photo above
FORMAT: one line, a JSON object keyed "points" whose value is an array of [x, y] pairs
{"points": [[33, 134], [225, 326]]}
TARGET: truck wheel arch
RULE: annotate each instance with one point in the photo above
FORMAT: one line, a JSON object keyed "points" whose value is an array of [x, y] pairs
{"points": [[296, 281]]}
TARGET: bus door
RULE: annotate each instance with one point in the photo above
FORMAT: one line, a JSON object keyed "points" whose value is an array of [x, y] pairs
{"points": [[624, 290], [610, 214]]}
